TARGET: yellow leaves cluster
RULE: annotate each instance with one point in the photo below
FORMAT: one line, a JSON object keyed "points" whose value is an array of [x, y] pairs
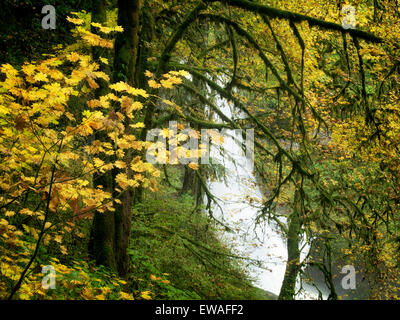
{"points": [[74, 57], [170, 82], [180, 144], [14, 254], [9, 233], [155, 278], [9, 70], [128, 106], [154, 84], [181, 73], [170, 79], [104, 60], [76, 21], [124, 182], [126, 296], [82, 29], [39, 132], [216, 137], [124, 87], [145, 295], [79, 281], [137, 178], [137, 125], [107, 30], [120, 164], [95, 40], [193, 166]]}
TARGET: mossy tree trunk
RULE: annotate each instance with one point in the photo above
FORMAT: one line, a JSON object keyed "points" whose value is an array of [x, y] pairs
{"points": [[102, 245], [190, 183], [111, 230], [126, 48], [126, 43], [293, 241]]}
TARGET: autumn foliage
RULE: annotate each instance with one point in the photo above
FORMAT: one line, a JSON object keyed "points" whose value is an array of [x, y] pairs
{"points": [[50, 154]]}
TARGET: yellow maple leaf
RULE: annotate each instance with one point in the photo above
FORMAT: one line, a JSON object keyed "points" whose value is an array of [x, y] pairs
{"points": [[63, 250], [137, 125], [40, 76], [76, 21], [122, 180], [193, 166], [145, 295], [168, 102], [58, 238], [98, 162], [126, 296], [167, 84], [28, 69], [104, 60], [9, 213], [73, 57], [137, 92], [120, 164], [119, 86], [153, 84], [153, 277]]}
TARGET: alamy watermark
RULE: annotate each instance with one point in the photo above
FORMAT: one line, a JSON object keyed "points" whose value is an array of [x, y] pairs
{"points": [[49, 279], [349, 21], [349, 280], [190, 146], [49, 20]]}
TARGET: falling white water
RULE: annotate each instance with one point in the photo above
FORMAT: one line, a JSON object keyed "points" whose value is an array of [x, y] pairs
{"points": [[240, 200]]}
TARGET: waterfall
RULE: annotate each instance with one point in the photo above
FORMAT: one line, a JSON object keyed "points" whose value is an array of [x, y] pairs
{"points": [[240, 200]]}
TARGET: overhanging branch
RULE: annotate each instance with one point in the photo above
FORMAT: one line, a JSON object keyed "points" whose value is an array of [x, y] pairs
{"points": [[297, 17]]}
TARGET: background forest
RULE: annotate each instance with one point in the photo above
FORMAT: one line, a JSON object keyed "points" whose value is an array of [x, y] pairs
{"points": [[77, 105]]}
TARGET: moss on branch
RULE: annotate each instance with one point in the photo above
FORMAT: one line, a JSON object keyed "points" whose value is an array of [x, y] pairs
{"points": [[297, 17]]}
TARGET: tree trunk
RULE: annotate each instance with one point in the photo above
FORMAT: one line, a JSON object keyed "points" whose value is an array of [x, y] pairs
{"points": [[101, 245], [111, 230], [126, 43], [99, 15], [126, 48], [189, 183], [293, 241]]}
